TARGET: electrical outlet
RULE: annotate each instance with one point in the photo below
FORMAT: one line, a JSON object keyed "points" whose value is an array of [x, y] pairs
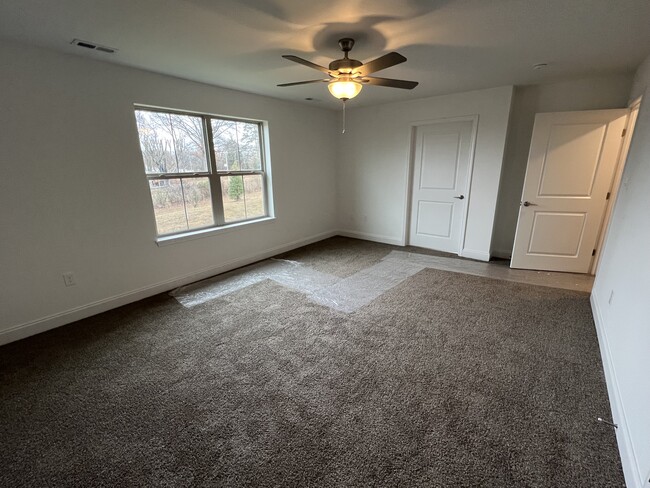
{"points": [[611, 297], [68, 279]]}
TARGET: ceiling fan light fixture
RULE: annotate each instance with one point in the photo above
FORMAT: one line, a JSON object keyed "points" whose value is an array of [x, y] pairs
{"points": [[344, 90]]}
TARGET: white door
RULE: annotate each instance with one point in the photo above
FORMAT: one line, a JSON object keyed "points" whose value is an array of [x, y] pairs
{"points": [[441, 161], [571, 164]]}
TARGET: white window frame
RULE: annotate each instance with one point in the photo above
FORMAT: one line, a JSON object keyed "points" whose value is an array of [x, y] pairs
{"points": [[214, 176]]}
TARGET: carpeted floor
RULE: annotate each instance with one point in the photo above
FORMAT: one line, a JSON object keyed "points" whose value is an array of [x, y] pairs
{"points": [[445, 380]]}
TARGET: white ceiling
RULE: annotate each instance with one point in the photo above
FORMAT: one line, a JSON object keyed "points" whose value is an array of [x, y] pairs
{"points": [[451, 45]]}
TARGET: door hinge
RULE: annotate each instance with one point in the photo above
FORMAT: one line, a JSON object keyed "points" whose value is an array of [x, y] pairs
{"points": [[593, 253], [624, 132], [609, 194]]}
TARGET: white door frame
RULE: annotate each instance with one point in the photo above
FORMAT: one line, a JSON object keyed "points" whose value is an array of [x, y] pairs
{"points": [[413, 126], [616, 185]]}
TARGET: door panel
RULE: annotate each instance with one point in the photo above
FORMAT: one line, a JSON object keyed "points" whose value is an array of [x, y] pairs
{"points": [[570, 168], [441, 157], [580, 144], [435, 219], [439, 160], [564, 229]]}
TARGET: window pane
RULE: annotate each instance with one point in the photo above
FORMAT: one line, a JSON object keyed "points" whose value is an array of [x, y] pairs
{"points": [[171, 143], [224, 139], [181, 204], [198, 202], [249, 145], [167, 197], [254, 196], [243, 197], [236, 145], [234, 207]]}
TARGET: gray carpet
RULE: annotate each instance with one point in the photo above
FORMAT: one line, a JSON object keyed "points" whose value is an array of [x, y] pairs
{"points": [[445, 380]]}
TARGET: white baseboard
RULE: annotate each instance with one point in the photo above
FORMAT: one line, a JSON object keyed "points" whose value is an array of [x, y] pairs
{"points": [[631, 471], [42, 324], [371, 237], [471, 254], [466, 253]]}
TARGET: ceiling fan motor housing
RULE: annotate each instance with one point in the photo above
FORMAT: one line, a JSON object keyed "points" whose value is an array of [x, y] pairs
{"points": [[345, 65]]}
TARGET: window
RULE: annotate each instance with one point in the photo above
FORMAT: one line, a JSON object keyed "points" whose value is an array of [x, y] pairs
{"points": [[203, 171]]}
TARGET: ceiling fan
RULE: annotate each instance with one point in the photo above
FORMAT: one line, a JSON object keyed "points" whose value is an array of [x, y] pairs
{"points": [[347, 76]]}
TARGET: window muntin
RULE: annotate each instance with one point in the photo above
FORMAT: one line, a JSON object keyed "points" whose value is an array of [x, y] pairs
{"points": [[203, 171]]}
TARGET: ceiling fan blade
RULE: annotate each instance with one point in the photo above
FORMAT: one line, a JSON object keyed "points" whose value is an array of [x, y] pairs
{"points": [[309, 64], [406, 85], [302, 82], [382, 62]]}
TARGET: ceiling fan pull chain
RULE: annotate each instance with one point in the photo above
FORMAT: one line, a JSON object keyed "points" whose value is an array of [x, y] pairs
{"points": [[343, 131]]}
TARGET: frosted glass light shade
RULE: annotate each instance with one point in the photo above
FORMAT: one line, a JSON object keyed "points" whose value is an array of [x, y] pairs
{"points": [[344, 90]]}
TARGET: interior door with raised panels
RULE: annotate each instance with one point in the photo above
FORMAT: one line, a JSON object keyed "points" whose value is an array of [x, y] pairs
{"points": [[571, 164], [441, 158]]}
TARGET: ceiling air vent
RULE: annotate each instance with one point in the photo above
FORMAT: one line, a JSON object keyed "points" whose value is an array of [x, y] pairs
{"points": [[93, 46]]}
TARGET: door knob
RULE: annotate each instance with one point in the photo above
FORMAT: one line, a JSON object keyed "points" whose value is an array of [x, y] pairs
{"points": [[528, 204], [460, 197]]}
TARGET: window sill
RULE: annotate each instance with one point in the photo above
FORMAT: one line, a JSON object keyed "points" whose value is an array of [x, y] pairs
{"points": [[198, 234]]}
